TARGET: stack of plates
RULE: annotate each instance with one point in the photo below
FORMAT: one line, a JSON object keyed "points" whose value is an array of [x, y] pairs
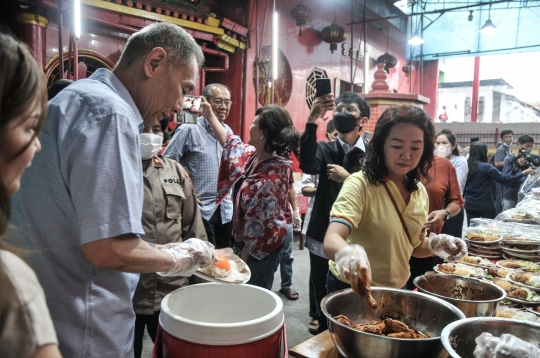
{"points": [[521, 249], [486, 249]]}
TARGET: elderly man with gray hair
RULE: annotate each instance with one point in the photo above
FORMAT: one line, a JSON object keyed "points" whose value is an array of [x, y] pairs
{"points": [[81, 204]]}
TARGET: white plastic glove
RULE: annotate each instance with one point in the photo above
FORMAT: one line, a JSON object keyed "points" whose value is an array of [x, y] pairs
{"points": [[447, 247], [352, 260], [507, 345], [188, 257], [297, 220]]}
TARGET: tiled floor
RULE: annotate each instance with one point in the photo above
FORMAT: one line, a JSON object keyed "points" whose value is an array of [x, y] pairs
{"points": [[296, 312]]}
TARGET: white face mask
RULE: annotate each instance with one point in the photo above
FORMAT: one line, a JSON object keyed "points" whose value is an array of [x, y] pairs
{"points": [[150, 145], [443, 151]]}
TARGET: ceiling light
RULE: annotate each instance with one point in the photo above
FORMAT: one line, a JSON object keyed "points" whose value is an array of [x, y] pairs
{"points": [[416, 39], [488, 28], [470, 18]]}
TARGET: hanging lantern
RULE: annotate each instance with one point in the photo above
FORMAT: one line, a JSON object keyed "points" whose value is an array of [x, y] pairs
{"points": [[389, 61], [408, 69], [333, 34], [301, 13]]}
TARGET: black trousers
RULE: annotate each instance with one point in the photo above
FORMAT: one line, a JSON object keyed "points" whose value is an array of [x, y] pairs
{"points": [[218, 233], [312, 302], [418, 268], [319, 269], [142, 320]]}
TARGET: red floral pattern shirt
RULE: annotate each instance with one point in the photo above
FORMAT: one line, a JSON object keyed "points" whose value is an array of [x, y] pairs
{"points": [[262, 200]]}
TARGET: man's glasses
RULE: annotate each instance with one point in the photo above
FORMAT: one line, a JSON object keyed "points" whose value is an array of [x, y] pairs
{"points": [[219, 102], [347, 108]]}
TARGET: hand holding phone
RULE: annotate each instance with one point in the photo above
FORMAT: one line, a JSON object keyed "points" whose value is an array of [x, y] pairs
{"points": [[368, 135], [322, 86], [192, 104], [321, 106]]}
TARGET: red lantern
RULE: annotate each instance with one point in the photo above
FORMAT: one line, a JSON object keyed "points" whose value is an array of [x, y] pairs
{"points": [[333, 34], [408, 69], [301, 13]]}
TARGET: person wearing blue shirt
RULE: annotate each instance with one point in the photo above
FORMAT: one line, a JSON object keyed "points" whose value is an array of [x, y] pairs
{"points": [[512, 164], [80, 208], [478, 196]]}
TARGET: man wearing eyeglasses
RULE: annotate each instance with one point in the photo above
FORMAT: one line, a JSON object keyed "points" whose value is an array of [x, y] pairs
{"points": [[333, 162], [199, 152]]}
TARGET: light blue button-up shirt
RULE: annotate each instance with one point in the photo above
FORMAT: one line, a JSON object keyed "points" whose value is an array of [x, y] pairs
{"points": [[85, 185], [199, 152]]}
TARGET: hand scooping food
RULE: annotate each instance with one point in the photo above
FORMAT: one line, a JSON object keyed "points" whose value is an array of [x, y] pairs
{"points": [[353, 264]]}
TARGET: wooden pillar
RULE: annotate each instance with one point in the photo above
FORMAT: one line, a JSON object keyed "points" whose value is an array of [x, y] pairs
{"points": [[32, 32]]}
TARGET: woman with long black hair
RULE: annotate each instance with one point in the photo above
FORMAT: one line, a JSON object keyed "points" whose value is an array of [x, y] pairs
{"points": [[26, 328]]}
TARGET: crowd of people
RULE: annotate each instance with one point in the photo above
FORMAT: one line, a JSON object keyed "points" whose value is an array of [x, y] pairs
{"points": [[108, 225]]}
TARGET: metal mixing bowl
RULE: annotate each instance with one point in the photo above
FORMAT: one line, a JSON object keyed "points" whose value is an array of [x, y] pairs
{"points": [[458, 337], [422, 312], [474, 297]]}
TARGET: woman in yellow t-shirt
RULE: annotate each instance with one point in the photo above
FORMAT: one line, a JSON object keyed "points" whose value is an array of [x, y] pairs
{"points": [[376, 223]]}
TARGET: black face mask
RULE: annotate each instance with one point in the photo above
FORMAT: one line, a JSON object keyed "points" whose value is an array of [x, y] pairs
{"points": [[345, 122]]}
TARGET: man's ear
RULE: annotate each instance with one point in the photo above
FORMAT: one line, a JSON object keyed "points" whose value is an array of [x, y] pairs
{"points": [[363, 121], [156, 58]]}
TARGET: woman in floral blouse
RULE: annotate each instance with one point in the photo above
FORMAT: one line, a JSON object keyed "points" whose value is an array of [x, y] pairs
{"points": [[259, 174]]}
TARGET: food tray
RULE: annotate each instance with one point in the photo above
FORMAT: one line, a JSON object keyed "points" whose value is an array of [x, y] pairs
{"points": [[509, 278]]}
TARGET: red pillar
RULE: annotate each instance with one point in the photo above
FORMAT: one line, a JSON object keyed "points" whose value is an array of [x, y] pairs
{"points": [[430, 74], [475, 85], [32, 32]]}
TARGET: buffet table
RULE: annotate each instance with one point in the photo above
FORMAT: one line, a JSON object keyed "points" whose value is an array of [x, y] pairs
{"points": [[320, 346]]}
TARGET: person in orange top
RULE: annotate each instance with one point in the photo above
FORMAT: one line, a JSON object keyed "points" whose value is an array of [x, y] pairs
{"points": [[445, 201]]}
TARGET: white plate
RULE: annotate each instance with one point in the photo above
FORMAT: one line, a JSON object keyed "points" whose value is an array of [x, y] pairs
{"points": [[483, 243], [483, 265], [530, 241], [492, 256], [513, 299], [483, 247], [520, 251], [517, 300], [528, 257], [520, 268], [242, 276], [534, 288], [530, 309], [475, 272]]}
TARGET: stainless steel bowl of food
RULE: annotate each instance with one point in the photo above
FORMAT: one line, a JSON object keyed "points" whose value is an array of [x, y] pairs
{"points": [[459, 337], [474, 297], [421, 312]]}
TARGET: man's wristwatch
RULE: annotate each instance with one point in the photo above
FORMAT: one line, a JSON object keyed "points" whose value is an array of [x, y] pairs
{"points": [[447, 214]]}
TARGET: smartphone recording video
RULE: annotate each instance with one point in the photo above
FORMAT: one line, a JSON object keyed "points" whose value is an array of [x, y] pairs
{"points": [[192, 104], [322, 86]]}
